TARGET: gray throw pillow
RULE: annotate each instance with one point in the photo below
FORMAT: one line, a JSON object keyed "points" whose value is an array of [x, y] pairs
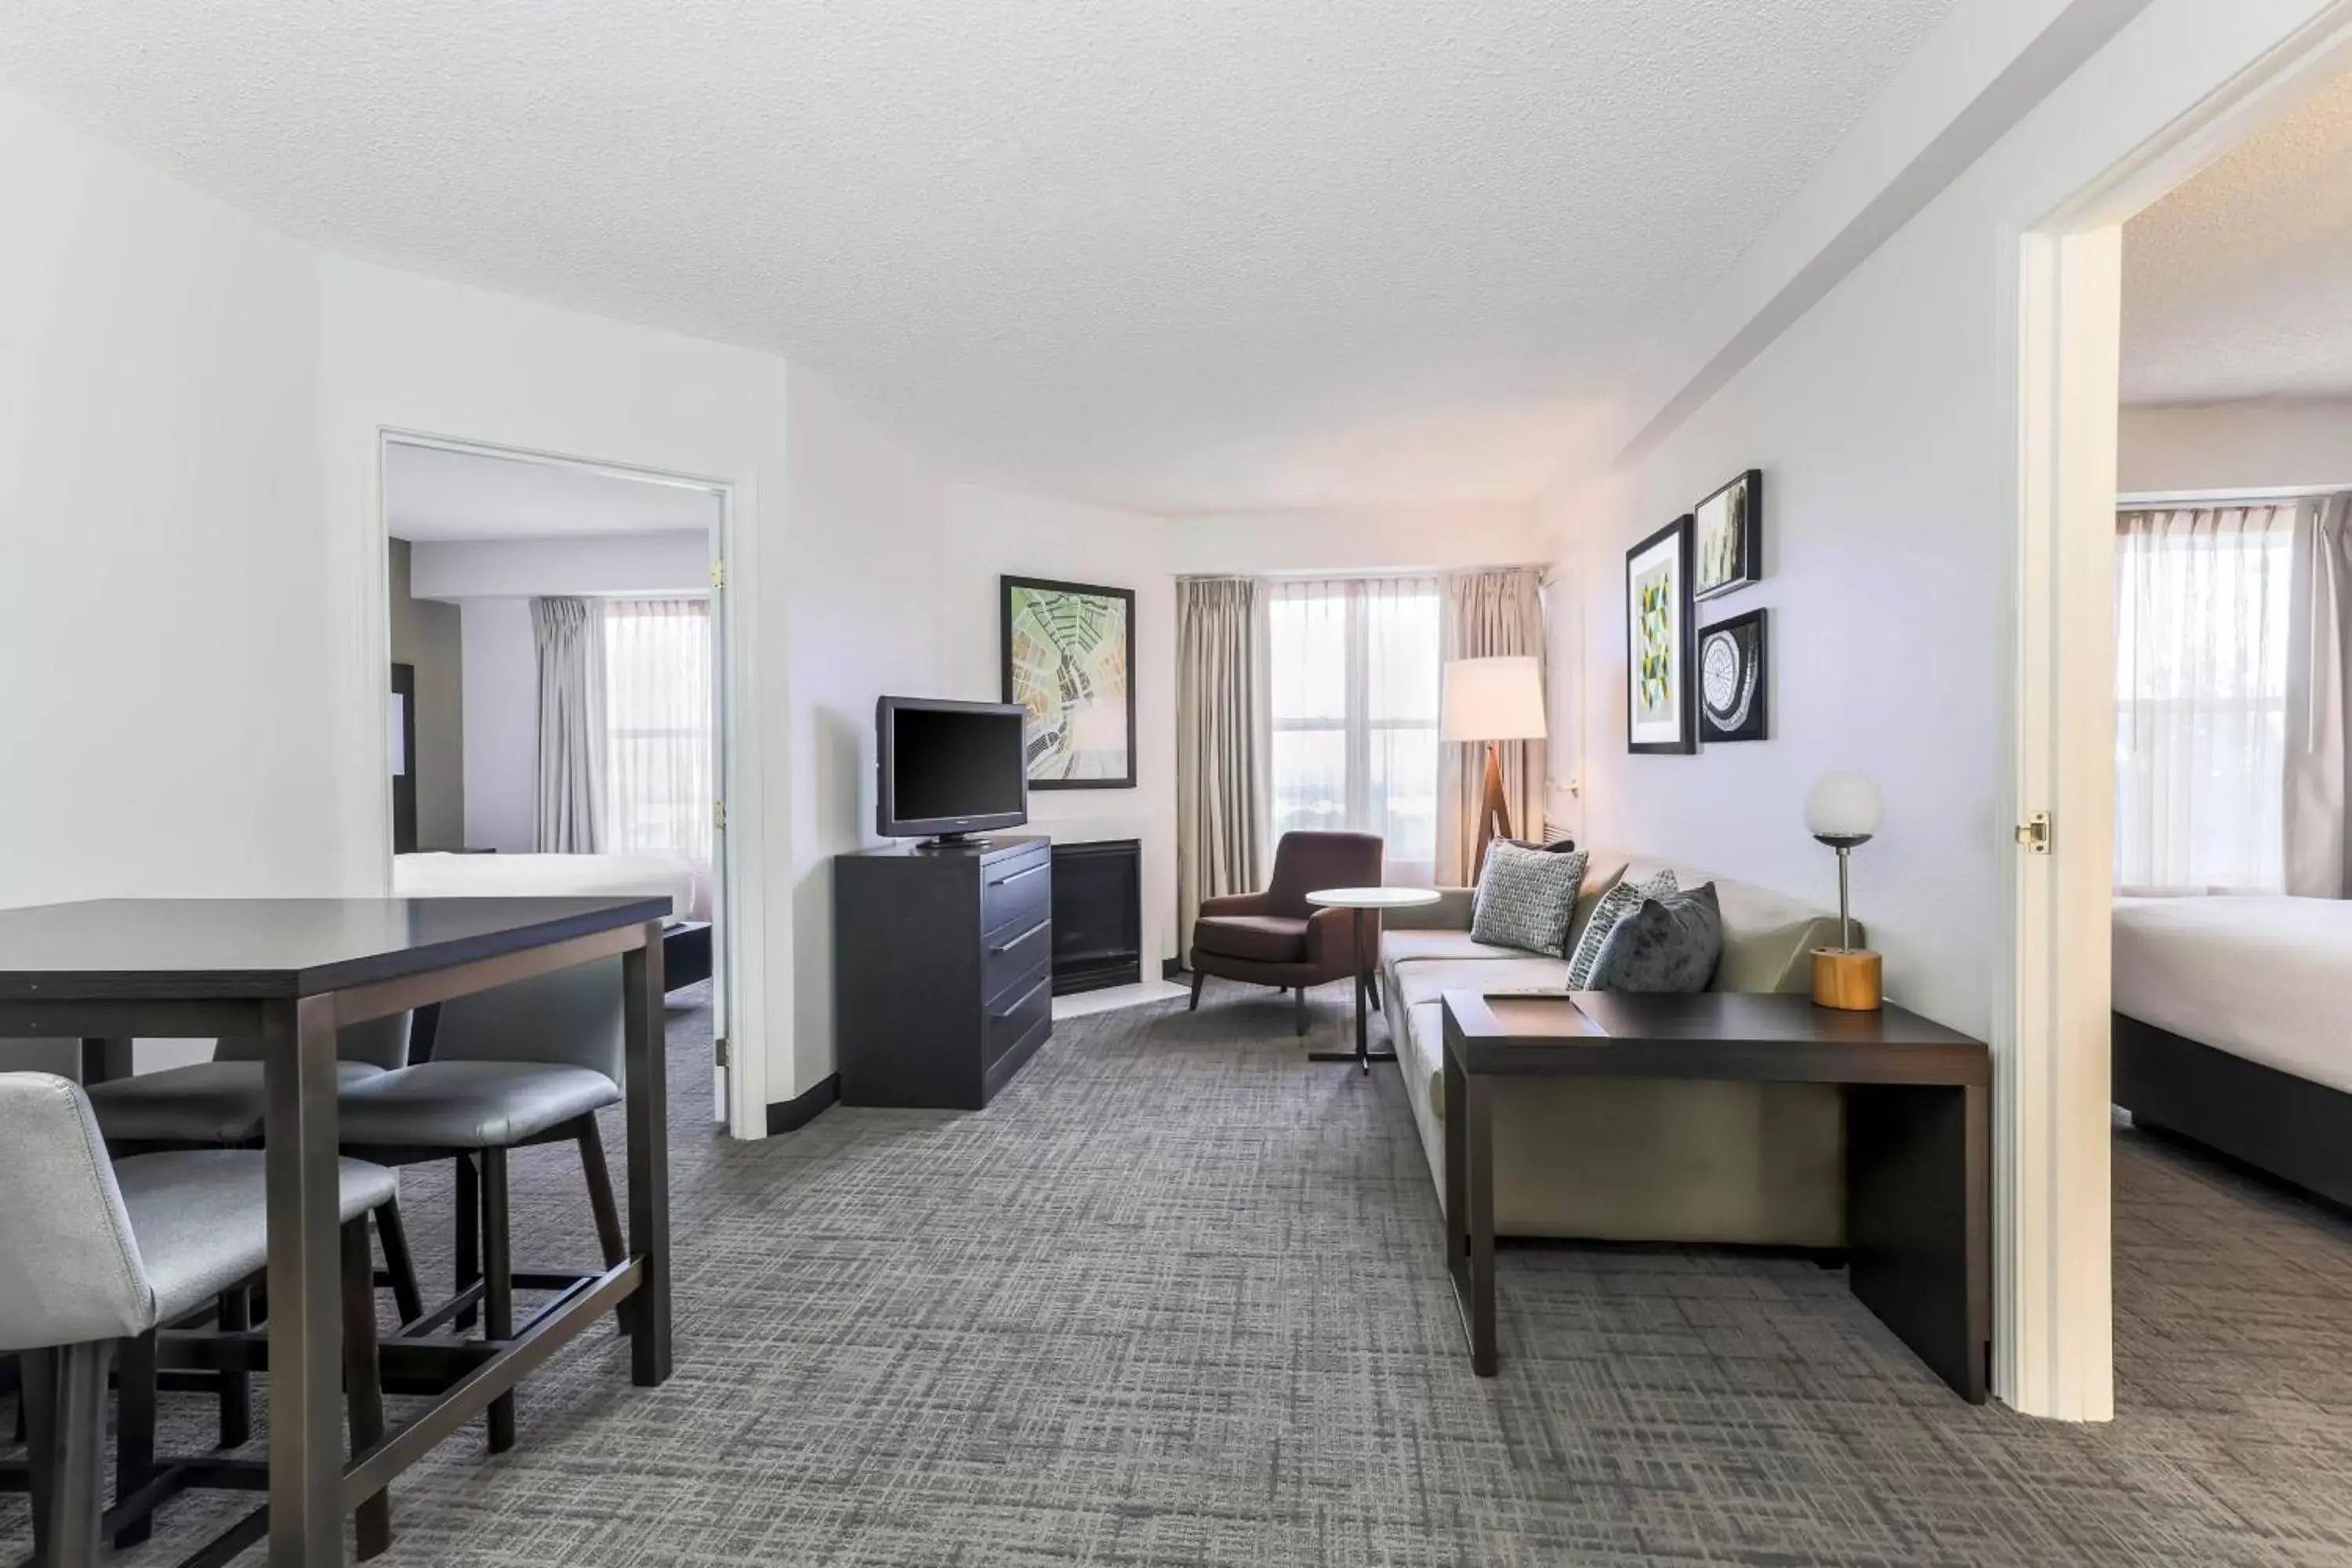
{"points": [[1525, 898], [1668, 944], [1615, 904]]}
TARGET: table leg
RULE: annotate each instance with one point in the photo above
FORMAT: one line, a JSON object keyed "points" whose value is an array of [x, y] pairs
{"points": [[104, 1060], [1918, 1221], [1363, 1055], [648, 1158], [305, 1330]]}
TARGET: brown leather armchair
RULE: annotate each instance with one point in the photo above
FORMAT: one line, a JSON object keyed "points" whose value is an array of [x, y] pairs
{"points": [[1276, 937]]}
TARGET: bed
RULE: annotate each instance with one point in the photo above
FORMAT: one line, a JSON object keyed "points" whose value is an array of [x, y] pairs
{"points": [[686, 949], [2231, 1029]]}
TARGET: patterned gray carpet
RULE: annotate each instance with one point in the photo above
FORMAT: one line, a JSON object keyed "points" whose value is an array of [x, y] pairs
{"points": [[1176, 1299]]}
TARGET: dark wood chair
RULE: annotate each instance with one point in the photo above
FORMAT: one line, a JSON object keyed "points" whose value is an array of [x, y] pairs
{"points": [[1276, 937]]}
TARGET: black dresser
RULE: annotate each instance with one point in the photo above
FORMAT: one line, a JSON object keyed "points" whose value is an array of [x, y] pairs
{"points": [[943, 963]]}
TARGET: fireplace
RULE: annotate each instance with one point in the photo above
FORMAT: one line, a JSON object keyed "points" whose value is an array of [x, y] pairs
{"points": [[1097, 915]]}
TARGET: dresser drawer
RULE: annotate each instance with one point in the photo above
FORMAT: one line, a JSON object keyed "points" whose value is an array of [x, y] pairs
{"points": [[1015, 1017], [1012, 953], [1015, 893]]}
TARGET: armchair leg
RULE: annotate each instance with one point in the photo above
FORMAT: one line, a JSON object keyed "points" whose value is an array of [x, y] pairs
{"points": [[1298, 1010], [1194, 1005], [1373, 978], [68, 1437]]}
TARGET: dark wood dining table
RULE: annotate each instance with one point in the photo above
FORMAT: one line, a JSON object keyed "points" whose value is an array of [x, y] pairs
{"points": [[291, 973]]}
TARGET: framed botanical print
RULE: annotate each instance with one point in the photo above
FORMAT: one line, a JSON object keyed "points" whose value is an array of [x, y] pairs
{"points": [[1658, 708], [1069, 660], [1734, 680], [1730, 537]]}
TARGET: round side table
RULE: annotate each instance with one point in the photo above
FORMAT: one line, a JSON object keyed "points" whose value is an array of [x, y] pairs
{"points": [[1366, 901]]}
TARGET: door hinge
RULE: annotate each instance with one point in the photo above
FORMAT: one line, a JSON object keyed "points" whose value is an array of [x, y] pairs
{"points": [[2033, 833], [719, 1045], [719, 814], [719, 574]]}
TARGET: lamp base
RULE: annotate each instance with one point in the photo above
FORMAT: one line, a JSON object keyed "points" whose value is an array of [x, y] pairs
{"points": [[1846, 978]]}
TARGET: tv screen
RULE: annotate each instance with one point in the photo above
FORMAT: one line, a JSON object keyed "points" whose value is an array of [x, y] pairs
{"points": [[950, 767]]}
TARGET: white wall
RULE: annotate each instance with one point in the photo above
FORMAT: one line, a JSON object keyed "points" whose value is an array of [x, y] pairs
{"points": [[402, 352], [862, 579], [501, 669], [677, 561], [1359, 538], [996, 533], [1884, 420], [160, 482], [2254, 444]]}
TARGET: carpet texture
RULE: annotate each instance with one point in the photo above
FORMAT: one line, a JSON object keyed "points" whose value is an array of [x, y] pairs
{"points": [[1177, 1299]]}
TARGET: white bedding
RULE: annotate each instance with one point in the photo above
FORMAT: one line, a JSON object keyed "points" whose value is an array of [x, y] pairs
{"points": [[2269, 979], [442, 876]]}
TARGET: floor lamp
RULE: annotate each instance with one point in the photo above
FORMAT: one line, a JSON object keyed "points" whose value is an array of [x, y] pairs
{"points": [[1492, 700]]}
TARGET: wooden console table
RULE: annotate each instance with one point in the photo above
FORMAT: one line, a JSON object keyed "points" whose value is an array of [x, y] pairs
{"points": [[1918, 1139]]}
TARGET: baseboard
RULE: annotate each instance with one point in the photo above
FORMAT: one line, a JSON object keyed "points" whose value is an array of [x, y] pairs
{"points": [[1172, 969], [790, 1115]]}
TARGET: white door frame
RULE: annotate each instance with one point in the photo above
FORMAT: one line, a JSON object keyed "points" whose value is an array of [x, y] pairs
{"points": [[2056, 1354], [745, 1090]]}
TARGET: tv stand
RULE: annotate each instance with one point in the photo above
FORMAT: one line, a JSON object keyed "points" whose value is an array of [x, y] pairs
{"points": [[942, 964]]}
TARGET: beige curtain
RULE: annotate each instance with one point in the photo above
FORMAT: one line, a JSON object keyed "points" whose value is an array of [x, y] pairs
{"points": [[2319, 700], [1220, 778], [1489, 614], [569, 635]]}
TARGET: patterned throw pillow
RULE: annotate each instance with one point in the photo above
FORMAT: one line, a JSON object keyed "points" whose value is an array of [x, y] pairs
{"points": [[1526, 897], [1662, 946], [1615, 904]]}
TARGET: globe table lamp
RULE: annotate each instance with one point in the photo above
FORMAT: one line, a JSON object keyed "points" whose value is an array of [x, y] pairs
{"points": [[1492, 699], [1841, 810]]}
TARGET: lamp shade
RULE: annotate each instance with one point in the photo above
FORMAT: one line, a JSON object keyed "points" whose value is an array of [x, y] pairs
{"points": [[1841, 805], [1493, 700]]}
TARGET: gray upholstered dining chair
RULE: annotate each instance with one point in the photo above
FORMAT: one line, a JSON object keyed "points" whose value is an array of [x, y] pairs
{"points": [[523, 1064], [98, 1254]]}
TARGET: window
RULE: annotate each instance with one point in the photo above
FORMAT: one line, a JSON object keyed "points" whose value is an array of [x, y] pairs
{"points": [[658, 751], [1353, 668], [2200, 698]]}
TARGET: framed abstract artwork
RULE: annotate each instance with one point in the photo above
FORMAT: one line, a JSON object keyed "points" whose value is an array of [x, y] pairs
{"points": [[1069, 660], [1731, 543], [1734, 680], [1658, 706]]}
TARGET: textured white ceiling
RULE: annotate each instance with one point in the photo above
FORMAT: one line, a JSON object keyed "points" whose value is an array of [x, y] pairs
{"points": [[431, 494], [1176, 254], [2239, 284]]}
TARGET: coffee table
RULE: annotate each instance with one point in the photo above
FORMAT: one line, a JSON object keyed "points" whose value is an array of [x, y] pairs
{"points": [[1918, 1137], [1366, 901]]}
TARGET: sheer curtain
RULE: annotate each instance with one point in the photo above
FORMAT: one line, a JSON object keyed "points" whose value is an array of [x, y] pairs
{"points": [[658, 740], [2202, 641], [1353, 666]]}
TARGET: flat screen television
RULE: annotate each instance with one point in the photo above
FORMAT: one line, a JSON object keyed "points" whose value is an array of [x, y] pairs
{"points": [[948, 769]]}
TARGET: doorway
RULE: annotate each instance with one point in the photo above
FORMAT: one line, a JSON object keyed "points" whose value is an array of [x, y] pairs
{"points": [[557, 696]]}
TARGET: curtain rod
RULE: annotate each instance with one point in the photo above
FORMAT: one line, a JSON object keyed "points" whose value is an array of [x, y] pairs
{"points": [[2140, 500], [1349, 574]]}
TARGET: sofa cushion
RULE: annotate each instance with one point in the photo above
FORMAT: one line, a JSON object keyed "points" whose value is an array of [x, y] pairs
{"points": [[1410, 946], [1430, 979], [1527, 897], [1266, 939], [1664, 945], [1614, 905]]}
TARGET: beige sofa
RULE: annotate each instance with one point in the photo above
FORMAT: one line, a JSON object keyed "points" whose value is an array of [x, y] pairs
{"points": [[1630, 1161]]}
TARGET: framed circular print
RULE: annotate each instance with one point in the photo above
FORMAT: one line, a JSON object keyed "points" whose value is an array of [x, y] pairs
{"points": [[1732, 685]]}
